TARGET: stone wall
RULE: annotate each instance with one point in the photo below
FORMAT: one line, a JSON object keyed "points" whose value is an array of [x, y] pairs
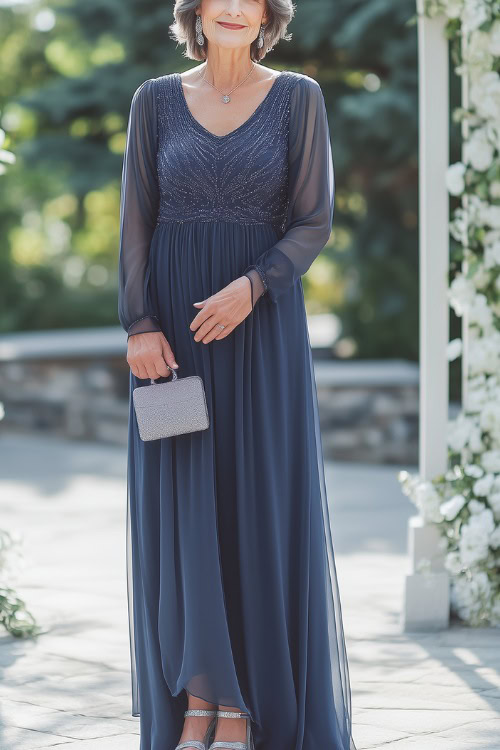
{"points": [[75, 383]]}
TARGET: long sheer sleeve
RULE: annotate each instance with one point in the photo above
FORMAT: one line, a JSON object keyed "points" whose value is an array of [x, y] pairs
{"points": [[139, 201], [311, 191]]}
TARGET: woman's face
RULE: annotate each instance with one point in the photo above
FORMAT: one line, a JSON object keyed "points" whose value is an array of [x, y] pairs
{"points": [[246, 16]]}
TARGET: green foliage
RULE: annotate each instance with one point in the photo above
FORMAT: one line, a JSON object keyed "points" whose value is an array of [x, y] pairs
{"points": [[65, 92], [14, 616]]}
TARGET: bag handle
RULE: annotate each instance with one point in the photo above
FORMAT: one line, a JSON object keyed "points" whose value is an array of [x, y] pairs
{"points": [[174, 376]]}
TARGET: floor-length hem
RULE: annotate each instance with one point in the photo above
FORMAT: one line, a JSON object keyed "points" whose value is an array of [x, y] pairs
{"points": [[344, 716], [338, 656], [231, 579]]}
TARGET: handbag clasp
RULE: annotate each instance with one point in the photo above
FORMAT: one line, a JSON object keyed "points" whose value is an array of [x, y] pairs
{"points": [[174, 376]]}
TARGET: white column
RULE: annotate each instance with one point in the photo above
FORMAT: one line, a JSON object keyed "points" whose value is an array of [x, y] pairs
{"points": [[426, 605], [465, 205]]}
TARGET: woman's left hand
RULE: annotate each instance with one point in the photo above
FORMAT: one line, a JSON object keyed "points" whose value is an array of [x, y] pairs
{"points": [[229, 307]]}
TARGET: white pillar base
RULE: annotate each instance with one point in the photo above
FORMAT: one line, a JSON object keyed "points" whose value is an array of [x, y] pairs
{"points": [[423, 544], [427, 593], [427, 602]]}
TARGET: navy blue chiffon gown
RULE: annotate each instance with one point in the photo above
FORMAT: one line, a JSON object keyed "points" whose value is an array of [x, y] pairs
{"points": [[231, 578]]}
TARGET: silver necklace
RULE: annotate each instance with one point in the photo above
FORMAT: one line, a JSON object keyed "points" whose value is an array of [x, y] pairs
{"points": [[225, 97]]}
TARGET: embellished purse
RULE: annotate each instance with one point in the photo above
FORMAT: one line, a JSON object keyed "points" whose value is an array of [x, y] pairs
{"points": [[172, 408]]}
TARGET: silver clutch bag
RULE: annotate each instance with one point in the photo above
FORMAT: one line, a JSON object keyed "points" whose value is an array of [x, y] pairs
{"points": [[172, 408]]}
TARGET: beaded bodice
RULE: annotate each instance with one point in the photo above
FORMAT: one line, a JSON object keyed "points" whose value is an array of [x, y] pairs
{"points": [[241, 176], [274, 170]]}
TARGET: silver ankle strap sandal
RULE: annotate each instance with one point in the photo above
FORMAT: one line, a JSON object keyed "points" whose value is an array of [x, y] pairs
{"points": [[200, 744], [248, 745]]}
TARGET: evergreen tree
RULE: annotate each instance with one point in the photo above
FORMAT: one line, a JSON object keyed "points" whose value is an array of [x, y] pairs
{"points": [[75, 82]]}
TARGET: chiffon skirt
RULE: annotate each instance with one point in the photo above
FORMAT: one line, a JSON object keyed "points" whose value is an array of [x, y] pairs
{"points": [[232, 586]]}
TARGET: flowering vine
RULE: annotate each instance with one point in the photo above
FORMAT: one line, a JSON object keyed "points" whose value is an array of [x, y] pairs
{"points": [[464, 502]]}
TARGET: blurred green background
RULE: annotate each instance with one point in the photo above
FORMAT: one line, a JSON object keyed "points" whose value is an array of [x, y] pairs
{"points": [[68, 72]]}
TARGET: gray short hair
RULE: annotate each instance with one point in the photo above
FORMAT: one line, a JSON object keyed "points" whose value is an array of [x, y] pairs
{"points": [[182, 30]]}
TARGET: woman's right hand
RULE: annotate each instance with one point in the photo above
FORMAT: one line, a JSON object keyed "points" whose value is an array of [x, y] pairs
{"points": [[148, 355]]}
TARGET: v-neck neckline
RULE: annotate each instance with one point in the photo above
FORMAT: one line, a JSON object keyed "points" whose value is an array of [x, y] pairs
{"points": [[243, 124]]}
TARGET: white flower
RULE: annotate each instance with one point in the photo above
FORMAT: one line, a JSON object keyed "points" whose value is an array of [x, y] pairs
{"points": [[460, 597], [475, 14], [480, 311], [491, 461], [489, 419], [494, 45], [452, 563], [475, 209], [452, 507], [454, 349], [428, 501], [478, 55], [468, 597], [495, 612], [478, 151], [478, 381], [453, 8], [481, 277], [495, 538], [475, 506], [493, 216], [409, 483], [491, 236], [485, 95], [480, 583], [493, 130], [493, 382], [484, 354], [473, 470], [461, 294], [477, 398], [494, 501], [483, 522], [459, 432], [455, 181], [476, 445], [492, 254], [473, 543], [458, 225], [481, 487]]}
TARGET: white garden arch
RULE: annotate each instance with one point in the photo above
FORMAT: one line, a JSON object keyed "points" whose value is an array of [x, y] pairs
{"points": [[455, 539], [426, 603]]}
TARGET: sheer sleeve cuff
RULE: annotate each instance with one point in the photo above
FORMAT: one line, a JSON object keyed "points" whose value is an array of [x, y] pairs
{"points": [[147, 324], [258, 281]]}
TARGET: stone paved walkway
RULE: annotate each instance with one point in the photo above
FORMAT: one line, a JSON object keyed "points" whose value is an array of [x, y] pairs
{"points": [[70, 688]]}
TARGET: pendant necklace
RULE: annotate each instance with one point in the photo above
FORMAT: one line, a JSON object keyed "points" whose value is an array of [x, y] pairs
{"points": [[225, 97]]}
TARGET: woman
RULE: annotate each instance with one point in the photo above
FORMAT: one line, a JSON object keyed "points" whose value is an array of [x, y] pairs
{"points": [[227, 198]]}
